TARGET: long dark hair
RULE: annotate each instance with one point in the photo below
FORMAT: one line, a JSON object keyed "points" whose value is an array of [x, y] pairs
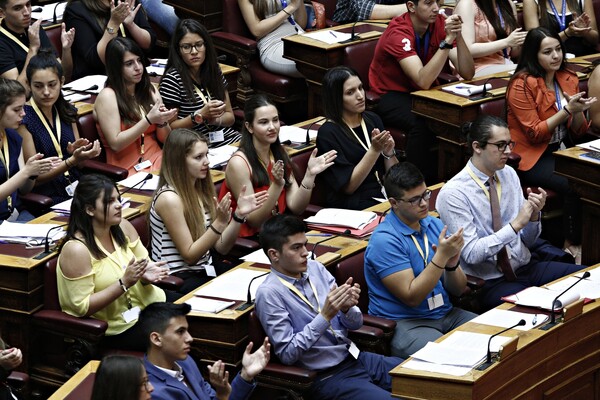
{"points": [[89, 189], [572, 5], [10, 89], [45, 59], [129, 108], [99, 10], [210, 75], [333, 97], [118, 377], [260, 175], [491, 14], [529, 63]]}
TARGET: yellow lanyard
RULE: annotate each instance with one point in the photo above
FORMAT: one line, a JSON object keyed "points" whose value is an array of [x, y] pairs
{"points": [[57, 126], [142, 151], [202, 96], [14, 39], [363, 127], [121, 261], [5, 155], [122, 30], [425, 256], [482, 185]]}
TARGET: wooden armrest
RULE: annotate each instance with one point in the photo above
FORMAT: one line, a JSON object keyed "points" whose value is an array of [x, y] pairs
{"points": [[170, 283], [514, 160], [288, 372], [62, 322], [474, 282], [385, 325], [36, 204], [18, 380], [366, 332], [232, 39]]}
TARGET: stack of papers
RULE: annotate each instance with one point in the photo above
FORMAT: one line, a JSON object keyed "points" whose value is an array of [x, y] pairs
{"points": [[233, 285], [295, 134], [457, 354], [221, 155], [465, 89], [594, 145], [328, 36], [88, 84], [208, 305], [47, 11], [74, 97], [586, 289], [64, 208], [506, 319], [133, 180], [542, 298], [157, 66], [342, 217], [30, 234]]}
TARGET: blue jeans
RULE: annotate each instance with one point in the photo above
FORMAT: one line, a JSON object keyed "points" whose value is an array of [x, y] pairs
{"points": [[164, 15]]}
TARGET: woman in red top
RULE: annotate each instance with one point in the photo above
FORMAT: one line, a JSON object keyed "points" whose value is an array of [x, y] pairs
{"points": [[262, 163], [545, 110]]}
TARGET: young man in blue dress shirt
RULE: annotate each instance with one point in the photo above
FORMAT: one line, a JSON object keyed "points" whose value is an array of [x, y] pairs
{"points": [[307, 317]]}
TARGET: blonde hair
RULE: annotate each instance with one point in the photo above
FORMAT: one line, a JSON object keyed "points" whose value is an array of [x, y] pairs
{"points": [[195, 197]]}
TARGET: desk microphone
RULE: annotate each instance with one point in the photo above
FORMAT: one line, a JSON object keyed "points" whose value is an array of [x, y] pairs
{"points": [[249, 301], [312, 256], [558, 304], [484, 93], [488, 361], [353, 35], [47, 242], [54, 13], [147, 177], [307, 139]]}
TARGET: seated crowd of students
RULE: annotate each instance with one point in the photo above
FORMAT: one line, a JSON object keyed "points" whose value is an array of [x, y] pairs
{"points": [[413, 262]]}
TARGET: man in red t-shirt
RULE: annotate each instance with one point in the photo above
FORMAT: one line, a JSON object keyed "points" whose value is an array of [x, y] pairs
{"points": [[409, 56]]}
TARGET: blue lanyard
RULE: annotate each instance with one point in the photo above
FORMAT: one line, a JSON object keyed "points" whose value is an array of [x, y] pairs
{"points": [[563, 16], [425, 47], [290, 18], [504, 51], [557, 94]]}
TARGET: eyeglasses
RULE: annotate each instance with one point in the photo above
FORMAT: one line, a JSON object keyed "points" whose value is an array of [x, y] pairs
{"points": [[146, 385], [186, 48], [415, 201], [503, 145]]}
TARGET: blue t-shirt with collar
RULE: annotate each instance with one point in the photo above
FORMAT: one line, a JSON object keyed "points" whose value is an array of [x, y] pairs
{"points": [[390, 250]]}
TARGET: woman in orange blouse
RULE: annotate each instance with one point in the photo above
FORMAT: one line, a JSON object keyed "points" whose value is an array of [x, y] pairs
{"points": [[129, 112], [545, 110]]}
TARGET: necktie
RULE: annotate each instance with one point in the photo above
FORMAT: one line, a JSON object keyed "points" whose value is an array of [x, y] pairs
{"points": [[502, 256]]}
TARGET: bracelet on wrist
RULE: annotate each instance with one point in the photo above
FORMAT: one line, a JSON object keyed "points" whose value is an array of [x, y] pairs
{"points": [[123, 285], [239, 219], [566, 34], [452, 269], [148, 119], [567, 111], [283, 9], [33, 177], [437, 266], [212, 228], [68, 163], [306, 187], [390, 156]]}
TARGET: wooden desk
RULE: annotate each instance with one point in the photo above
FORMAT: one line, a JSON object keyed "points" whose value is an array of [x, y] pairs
{"points": [[313, 58], [208, 12], [80, 385], [584, 178], [561, 363]]}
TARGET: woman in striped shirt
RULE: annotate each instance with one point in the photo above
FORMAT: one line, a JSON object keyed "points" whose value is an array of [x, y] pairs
{"points": [[186, 221]]}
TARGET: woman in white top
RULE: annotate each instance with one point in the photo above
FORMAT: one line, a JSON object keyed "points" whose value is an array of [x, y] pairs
{"points": [[186, 221], [269, 21]]}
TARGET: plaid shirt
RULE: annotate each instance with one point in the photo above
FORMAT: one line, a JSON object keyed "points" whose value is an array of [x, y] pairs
{"points": [[358, 10]]}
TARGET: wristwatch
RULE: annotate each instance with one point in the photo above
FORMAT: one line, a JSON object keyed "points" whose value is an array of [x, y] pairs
{"points": [[445, 45], [390, 156], [239, 219], [197, 118], [110, 30], [452, 268]]}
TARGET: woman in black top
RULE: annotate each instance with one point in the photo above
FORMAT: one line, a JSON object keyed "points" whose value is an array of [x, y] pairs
{"points": [[365, 150], [97, 22]]}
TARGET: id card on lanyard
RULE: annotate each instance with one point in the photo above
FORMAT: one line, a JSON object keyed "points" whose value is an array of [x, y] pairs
{"points": [[366, 145], [560, 18]]}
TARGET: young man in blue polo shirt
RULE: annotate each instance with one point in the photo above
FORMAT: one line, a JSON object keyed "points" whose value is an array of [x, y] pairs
{"points": [[412, 265]]}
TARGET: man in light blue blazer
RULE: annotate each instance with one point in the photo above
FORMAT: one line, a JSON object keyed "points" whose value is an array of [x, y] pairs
{"points": [[175, 375]]}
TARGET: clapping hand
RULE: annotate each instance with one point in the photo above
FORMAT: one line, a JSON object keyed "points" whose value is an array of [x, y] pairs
{"points": [[82, 149], [278, 173], [253, 364], [66, 36], [380, 141], [579, 25], [223, 212], [316, 165], [248, 203], [159, 114], [134, 271], [449, 247], [577, 103], [219, 379], [10, 358], [537, 201], [38, 165], [155, 272], [516, 38]]}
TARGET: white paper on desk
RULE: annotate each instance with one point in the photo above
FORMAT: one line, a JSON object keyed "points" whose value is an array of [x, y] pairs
{"points": [[507, 318], [221, 155], [208, 305], [257, 256], [135, 179], [328, 36], [47, 13], [156, 69], [463, 349], [440, 369], [594, 145], [19, 231], [84, 84], [466, 89], [74, 97], [542, 298], [65, 206], [295, 134], [586, 288], [233, 285], [594, 274], [341, 217]]}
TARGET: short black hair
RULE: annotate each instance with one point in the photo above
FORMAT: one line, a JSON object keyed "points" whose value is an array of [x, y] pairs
{"points": [[401, 178], [276, 231], [157, 316], [480, 130]]}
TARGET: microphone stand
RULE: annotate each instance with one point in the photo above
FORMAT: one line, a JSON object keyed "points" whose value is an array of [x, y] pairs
{"points": [[47, 242], [556, 303], [312, 253], [353, 36], [488, 360], [140, 183], [307, 142], [249, 301]]}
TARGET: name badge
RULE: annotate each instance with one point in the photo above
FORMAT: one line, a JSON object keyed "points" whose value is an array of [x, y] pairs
{"points": [[131, 314], [435, 301], [354, 351], [71, 188], [143, 165], [210, 270], [216, 136], [13, 217]]}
